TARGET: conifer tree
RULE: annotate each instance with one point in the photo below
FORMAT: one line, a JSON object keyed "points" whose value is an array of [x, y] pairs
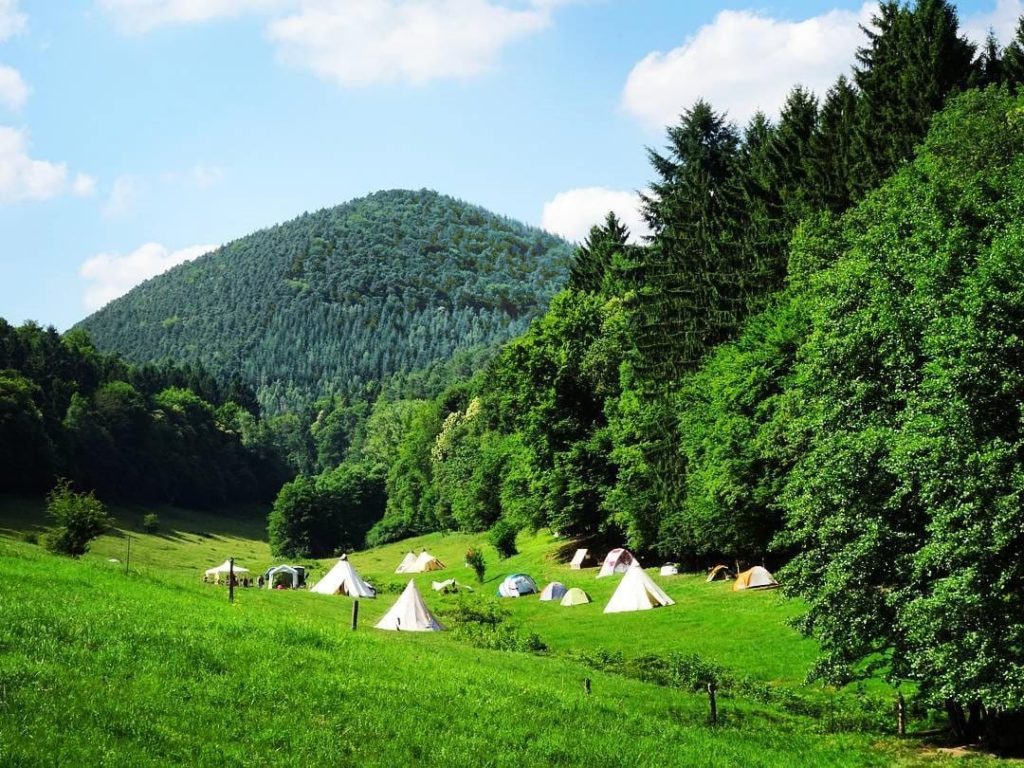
{"points": [[595, 259], [831, 152], [914, 59], [1013, 57]]}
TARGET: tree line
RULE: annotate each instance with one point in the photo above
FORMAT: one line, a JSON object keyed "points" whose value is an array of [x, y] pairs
{"points": [[139, 433]]}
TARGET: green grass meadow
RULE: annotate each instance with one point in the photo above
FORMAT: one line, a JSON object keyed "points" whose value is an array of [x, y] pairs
{"points": [[155, 668]]}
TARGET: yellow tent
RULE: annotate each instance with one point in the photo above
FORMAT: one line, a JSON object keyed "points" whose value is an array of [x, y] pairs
{"points": [[756, 578], [575, 596]]}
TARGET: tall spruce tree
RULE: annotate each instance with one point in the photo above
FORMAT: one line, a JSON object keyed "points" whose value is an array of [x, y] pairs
{"points": [[697, 268], [597, 260], [914, 59], [1013, 57], [831, 151]]}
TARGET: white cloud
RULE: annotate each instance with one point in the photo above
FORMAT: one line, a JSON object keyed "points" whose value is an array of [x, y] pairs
{"points": [[23, 178], [1002, 20], [361, 42], [84, 185], [744, 61], [109, 275], [13, 91], [138, 16], [122, 194], [204, 176], [12, 21], [571, 214]]}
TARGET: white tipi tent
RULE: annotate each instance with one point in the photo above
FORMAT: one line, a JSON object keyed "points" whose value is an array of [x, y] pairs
{"points": [[637, 592], [407, 563], [343, 579], [410, 614]]}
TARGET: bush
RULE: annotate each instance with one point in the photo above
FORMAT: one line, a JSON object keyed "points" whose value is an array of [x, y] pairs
{"points": [[487, 625], [79, 518], [30, 537], [151, 523], [503, 537], [475, 560]]}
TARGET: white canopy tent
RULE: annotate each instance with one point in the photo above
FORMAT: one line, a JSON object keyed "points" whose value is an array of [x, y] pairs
{"points": [[410, 614], [225, 567], [617, 561], [343, 579], [637, 592]]}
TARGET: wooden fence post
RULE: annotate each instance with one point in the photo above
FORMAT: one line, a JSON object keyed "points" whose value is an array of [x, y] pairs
{"points": [[231, 580], [355, 614], [713, 701], [586, 685]]}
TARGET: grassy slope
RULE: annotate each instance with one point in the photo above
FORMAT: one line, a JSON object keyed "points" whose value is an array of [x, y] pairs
{"points": [[156, 668]]}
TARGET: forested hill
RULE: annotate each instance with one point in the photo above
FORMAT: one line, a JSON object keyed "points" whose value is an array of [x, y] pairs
{"points": [[325, 303]]}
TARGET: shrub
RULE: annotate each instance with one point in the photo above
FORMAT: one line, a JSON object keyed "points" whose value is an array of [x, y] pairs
{"points": [[151, 523], [475, 560], [487, 625], [503, 537], [30, 537], [79, 518]]}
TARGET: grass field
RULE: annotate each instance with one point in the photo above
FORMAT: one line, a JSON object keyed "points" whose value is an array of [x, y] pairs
{"points": [[155, 668]]}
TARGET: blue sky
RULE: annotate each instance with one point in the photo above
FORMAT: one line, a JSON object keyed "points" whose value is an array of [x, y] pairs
{"points": [[136, 133]]}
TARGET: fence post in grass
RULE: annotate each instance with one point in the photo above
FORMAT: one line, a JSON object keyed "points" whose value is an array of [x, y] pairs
{"points": [[355, 614], [713, 702], [231, 579], [128, 556], [586, 685], [901, 715]]}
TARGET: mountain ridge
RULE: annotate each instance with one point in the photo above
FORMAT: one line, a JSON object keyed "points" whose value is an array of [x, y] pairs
{"points": [[325, 303]]}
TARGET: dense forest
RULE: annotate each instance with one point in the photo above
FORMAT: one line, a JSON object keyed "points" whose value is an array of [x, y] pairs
{"points": [[814, 360], [336, 300], [143, 433]]}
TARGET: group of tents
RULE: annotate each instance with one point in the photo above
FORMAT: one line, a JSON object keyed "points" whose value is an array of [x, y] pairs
{"points": [[635, 592]]}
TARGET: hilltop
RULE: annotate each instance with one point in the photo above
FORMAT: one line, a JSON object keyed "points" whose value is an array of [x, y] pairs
{"points": [[393, 282]]}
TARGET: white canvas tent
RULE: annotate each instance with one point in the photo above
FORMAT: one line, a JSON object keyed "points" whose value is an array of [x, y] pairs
{"points": [[424, 562], [407, 563], [617, 561], [637, 592], [225, 567], [282, 574], [669, 570], [343, 579], [448, 585], [410, 614], [554, 591], [581, 557]]}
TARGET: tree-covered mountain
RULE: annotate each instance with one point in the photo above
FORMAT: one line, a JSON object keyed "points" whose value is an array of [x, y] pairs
{"points": [[389, 283]]}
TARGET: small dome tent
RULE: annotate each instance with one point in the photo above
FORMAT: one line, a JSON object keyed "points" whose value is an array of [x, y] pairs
{"points": [[517, 584], [718, 573], [669, 570], [575, 596], [637, 592], [554, 591], [407, 563], [617, 561], [756, 578], [409, 614], [343, 579]]}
